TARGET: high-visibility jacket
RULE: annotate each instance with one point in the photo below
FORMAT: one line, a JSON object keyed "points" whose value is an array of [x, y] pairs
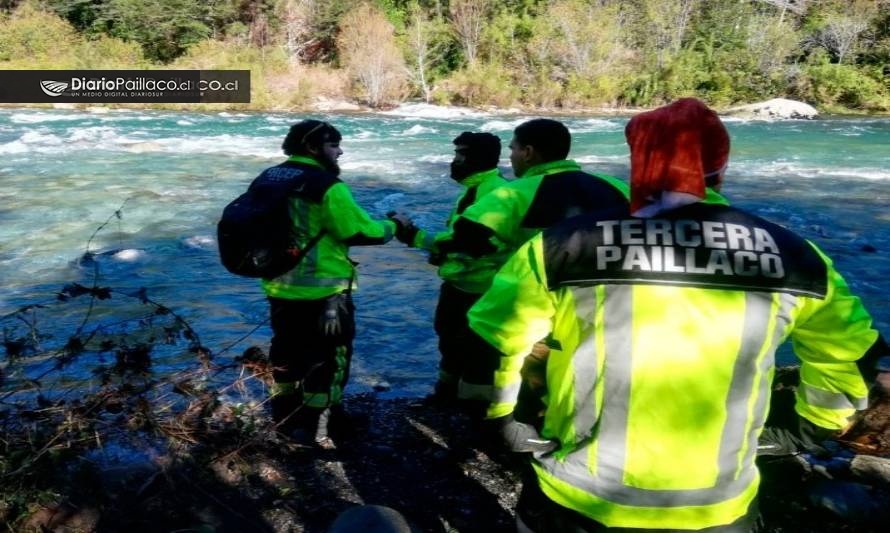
{"points": [[461, 270], [325, 204], [664, 333], [544, 195]]}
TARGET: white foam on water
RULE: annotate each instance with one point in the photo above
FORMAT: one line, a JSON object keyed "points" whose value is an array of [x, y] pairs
{"points": [[787, 168], [363, 134], [594, 125], [438, 158], [200, 241], [185, 123], [245, 145], [421, 110], [39, 117], [501, 125], [602, 159], [129, 255], [417, 129], [377, 167]]}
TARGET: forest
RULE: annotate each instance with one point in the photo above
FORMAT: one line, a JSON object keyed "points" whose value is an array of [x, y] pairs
{"points": [[552, 54]]}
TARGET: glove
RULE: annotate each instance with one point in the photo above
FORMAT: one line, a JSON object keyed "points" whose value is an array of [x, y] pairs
{"points": [[405, 228], [520, 437], [335, 307], [806, 437]]}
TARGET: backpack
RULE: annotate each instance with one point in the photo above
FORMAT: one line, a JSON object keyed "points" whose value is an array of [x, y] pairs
{"points": [[255, 233]]}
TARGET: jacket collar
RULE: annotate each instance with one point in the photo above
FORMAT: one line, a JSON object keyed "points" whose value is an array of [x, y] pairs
{"points": [[551, 167], [305, 160], [475, 179]]}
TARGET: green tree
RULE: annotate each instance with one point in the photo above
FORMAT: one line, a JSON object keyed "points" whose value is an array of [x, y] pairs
{"points": [[164, 28], [426, 42], [40, 38]]}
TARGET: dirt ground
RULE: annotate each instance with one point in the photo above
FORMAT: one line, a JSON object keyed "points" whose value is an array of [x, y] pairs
{"points": [[423, 461]]}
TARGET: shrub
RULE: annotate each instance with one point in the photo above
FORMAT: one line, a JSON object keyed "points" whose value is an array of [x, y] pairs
{"points": [[845, 85], [38, 38], [480, 85]]}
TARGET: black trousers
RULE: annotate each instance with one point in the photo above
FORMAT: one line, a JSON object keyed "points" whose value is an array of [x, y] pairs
{"points": [[465, 355], [540, 514], [302, 353]]}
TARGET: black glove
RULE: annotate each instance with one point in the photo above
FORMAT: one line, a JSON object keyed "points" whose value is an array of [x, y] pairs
{"points": [[405, 228], [806, 437], [520, 437]]}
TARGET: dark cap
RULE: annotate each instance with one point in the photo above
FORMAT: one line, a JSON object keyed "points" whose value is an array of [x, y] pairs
{"points": [[309, 132], [483, 149]]}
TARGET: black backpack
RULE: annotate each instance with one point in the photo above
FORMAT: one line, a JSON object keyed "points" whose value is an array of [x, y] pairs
{"points": [[255, 233]]}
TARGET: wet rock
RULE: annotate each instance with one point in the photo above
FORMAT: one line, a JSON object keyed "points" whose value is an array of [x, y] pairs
{"points": [[777, 108], [370, 519], [849, 501], [62, 517], [873, 469]]}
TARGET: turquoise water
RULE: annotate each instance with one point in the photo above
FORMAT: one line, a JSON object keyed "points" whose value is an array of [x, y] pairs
{"points": [[64, 173]]}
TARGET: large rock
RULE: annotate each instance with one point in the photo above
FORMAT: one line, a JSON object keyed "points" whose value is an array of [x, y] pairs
{"points": [[776, 108], [328, 105]]}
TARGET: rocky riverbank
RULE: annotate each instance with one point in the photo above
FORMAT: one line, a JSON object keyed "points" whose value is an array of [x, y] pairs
{"points": [[424, 461]]}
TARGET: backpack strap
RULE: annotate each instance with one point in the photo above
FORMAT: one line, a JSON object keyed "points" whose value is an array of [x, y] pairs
{"points": [[300, 253]]}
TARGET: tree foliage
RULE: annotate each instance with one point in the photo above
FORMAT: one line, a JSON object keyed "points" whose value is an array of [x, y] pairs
{"points": [[369, 52], [567, 53]]}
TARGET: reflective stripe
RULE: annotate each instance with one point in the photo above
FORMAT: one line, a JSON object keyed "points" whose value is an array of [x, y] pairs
{"points": [[781, 308], [606, 479], [830, 400], [584, 363], [506, 394], [611, 450], [283, 389], [447, 377], [339, 380], [317, 282], [475, 391], [734, 453]]}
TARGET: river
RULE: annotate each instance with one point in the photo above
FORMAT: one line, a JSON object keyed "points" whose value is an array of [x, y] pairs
{"points": [[64, 173]]}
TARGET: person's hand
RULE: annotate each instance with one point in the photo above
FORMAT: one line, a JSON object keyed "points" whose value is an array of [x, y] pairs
{"points": [[520, 437], [405, 228]]}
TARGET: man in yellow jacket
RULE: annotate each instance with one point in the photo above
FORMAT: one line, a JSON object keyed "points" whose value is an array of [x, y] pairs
{"points": [[312, 314], [665, 321], [467, 362]]}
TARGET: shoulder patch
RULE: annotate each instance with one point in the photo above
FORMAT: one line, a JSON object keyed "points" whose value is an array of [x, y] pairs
{"points": [[707, 246]]}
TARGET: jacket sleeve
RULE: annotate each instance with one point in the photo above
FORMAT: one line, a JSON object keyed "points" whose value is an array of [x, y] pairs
{"points": [[515, 313], [349, 223], [829, 337], [494, 221]]}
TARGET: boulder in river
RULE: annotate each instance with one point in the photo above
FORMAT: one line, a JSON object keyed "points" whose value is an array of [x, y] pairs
{"points": [[780, 108]]}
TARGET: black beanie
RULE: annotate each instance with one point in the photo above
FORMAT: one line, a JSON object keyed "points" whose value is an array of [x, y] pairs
{"points": [[309, 132], [483, 150]]}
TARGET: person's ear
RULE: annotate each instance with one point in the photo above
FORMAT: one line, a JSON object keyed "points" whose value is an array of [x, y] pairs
{"points": [[528, 153], [313, 150]]}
